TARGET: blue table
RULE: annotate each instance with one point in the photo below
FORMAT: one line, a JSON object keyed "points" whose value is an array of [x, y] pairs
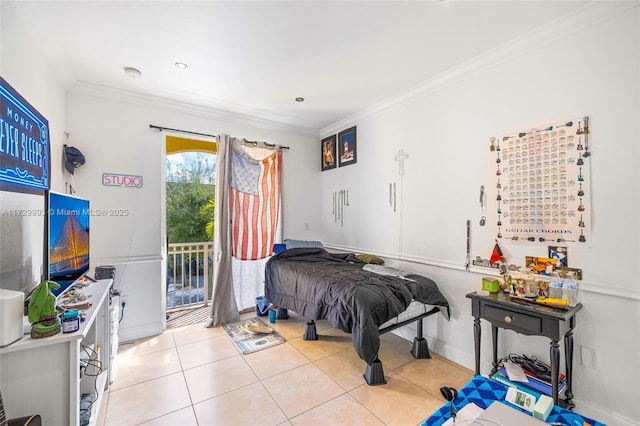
{"points": [[483, 391]]}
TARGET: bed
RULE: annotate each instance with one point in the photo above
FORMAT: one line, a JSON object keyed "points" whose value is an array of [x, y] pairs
{"points": [[358, 298]]}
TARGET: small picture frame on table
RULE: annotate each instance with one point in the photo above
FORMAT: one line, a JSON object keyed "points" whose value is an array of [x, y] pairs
{"points": [[347, 147], [328, 153]]}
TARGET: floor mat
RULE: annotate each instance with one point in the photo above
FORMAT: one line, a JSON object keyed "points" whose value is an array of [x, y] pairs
{"points": [[247, 342], [188, 316]]}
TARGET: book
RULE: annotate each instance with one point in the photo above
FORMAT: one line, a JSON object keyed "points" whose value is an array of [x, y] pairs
{"points": [[561, 377], [536, 384], [521, 372], [502, 378]]}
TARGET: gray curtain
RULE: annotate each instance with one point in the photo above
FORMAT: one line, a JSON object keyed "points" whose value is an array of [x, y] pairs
{"points": [[223, 301]]}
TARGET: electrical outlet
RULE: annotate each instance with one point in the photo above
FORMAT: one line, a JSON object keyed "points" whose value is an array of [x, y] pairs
{"points": [[588, 357]]}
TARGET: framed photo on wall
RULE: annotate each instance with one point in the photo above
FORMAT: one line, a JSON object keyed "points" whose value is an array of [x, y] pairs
{"points": [[561, 255], [347, 147], [328, 154]]}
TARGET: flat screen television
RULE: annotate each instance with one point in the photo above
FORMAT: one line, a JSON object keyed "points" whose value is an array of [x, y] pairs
{"points": [[68, 239]]}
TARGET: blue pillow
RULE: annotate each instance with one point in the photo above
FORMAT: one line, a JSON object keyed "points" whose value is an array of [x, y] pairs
{"points": [[302, 243], [279, 248]]}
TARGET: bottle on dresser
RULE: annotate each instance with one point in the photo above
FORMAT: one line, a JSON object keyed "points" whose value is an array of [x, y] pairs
{"points": [[556, 286], [570, 289]]}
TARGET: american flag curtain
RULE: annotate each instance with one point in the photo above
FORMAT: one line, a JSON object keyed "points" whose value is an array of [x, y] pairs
{"points": [[255, 202]]}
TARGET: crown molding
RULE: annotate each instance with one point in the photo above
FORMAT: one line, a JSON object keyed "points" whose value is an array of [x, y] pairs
{"points": [[557, 29], [118, 95]]}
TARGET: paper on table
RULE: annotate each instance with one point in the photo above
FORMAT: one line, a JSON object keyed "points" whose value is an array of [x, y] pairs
{"points": [[468, 412], [515, 373]]}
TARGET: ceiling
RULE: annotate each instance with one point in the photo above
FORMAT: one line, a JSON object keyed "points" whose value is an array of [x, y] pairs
{"points": [[255, 58]]}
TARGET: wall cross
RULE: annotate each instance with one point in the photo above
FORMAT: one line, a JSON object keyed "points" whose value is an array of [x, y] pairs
{"points": [[400, 157]]}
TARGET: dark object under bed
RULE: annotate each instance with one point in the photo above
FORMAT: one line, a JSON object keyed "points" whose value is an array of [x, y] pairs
{"points": [[321, 285]]}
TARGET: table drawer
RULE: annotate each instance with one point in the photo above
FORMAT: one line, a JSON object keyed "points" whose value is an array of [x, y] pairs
{"points": [[512, 319]]}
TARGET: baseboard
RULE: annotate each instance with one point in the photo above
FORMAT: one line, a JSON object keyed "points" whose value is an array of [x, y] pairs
{"points": [[598, 413], [452, 354], [140, 332]]}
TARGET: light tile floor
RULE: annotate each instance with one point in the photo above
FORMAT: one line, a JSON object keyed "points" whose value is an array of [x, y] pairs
{"points": [[195, 376]]}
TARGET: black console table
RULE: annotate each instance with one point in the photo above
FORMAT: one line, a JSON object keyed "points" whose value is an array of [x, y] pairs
{"points": [[531, 320]]}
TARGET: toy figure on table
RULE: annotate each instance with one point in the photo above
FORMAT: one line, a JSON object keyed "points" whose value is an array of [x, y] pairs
{"points": [[43, 315], [543, 288], [505, 285]]}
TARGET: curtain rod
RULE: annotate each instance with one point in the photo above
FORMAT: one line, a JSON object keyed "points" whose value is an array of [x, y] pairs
{"points": [[160, 128]]}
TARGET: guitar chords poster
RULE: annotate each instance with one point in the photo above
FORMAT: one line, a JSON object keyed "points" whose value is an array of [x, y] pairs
{"points": [[542, 185]]}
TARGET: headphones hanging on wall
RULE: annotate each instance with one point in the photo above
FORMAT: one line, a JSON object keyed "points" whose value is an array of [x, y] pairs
{"points": [[450, 394]]}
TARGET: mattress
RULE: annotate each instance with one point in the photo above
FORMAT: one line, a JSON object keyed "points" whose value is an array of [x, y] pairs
{"points": [[336, 287], [414, 310]]}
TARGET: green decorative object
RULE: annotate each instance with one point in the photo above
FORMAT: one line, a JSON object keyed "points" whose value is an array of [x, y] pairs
{"points": [[42, 311], [490, 284]]}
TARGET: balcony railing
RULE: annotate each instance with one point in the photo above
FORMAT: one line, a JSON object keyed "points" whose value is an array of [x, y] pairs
{"points": [[189, 274]]}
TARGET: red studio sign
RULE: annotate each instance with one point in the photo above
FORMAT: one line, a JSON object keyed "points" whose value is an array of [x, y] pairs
{"points": [[125, 181]]}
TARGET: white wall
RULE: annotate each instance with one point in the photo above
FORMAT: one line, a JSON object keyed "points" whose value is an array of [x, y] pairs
{"points": [[21, 249], [590, 68], [585, 65], [112, 130]]}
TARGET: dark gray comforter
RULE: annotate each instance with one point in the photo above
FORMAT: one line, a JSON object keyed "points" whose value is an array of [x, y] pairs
{"points": [[321, 285]]}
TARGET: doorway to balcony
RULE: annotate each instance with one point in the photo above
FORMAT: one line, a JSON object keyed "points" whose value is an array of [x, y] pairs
{"points": [[190, 203]]}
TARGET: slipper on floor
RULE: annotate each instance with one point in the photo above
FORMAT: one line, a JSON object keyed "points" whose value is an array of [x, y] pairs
{"points": [[254, 328]]}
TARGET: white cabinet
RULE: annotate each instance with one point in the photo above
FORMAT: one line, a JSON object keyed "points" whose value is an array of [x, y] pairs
{"points": [[114, 321], [48, 376]]}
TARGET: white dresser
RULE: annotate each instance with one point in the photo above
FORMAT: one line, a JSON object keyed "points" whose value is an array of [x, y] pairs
{"points": [[48, 376]]}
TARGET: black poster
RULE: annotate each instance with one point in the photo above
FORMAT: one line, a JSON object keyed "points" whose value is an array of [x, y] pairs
{"points": [[25, 160]]}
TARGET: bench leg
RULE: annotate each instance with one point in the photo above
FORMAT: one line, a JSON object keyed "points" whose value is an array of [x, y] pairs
{"points": [[310, 332], [374, 375], [420, 349]]}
